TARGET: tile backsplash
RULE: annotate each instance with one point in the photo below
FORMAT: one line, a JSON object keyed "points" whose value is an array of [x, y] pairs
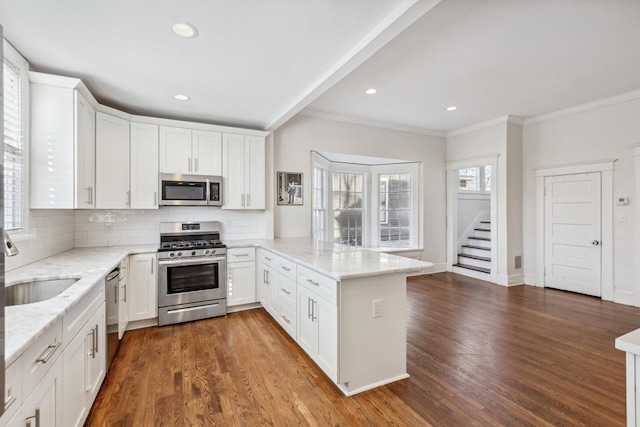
{"points": [[55, 231]]}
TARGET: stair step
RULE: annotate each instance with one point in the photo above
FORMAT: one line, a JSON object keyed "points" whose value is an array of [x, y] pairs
{"points": [[473, 267], [485, 222], [479, 258], [486, 239], [482, 229], [482, 248]]}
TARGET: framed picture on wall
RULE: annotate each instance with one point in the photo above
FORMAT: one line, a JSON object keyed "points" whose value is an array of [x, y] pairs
{"points": [[289, 191]]}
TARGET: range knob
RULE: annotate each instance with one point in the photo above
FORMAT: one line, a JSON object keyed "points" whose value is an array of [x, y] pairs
{"points": [[193, 253], [206, 251], [179, 254], [171, 255]]}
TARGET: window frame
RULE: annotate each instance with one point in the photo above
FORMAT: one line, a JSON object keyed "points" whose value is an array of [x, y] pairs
{"points": [[13, 57], [481, 179]]}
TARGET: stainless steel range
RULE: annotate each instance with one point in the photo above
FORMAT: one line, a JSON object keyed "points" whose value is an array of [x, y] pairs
{"points": [[192, 264]]}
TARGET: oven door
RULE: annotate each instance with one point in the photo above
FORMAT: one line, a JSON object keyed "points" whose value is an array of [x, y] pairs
{"points": [[182, 281]]}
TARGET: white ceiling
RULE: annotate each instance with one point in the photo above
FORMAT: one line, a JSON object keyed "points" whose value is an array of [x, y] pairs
{"points": [[256, 63]]}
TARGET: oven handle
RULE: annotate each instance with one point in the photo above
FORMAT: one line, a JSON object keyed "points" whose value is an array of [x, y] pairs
{"points": [[192, 261]]}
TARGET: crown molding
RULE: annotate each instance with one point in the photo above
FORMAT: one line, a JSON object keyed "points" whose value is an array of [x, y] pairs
{"points": [[625, 97], [489, 123], [371, 123]]}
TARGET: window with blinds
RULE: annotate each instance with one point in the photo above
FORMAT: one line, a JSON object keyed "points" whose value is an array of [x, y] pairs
{"points": [[14, 199]]}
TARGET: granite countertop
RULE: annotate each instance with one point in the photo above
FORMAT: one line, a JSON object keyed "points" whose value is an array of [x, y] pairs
{"points": [[629, 342], [336, 261], [25, 323]]}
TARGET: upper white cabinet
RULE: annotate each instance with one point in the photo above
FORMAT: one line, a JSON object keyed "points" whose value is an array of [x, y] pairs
{"points": [[144, 166], [62, 144], [243, 171], [186, 151], [112, 162]]}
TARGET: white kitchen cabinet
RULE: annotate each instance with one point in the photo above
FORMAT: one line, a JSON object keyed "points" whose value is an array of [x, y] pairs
{"points": [[43, 408], [318, 330], [62, 143], [123, 302], [84, 365], [12, 393], [267, 281], [143, 287], [241, 276], [144, 166], [112, 162], [243, 171], [186, 151]]}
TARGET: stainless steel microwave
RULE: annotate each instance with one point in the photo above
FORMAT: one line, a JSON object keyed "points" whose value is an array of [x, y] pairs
{"points": [[190, 190]]}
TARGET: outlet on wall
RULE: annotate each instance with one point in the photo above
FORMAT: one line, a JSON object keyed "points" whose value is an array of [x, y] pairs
{"points": [[377, 308]]}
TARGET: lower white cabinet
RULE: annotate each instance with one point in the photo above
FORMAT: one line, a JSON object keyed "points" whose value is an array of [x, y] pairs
{"points": [[241, 276], [84, 364], [143, 287], [123, 301], [43, 408], [318, 330], [267, 281]]}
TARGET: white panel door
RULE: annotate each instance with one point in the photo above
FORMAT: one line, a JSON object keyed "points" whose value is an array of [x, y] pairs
{"points": [[175, 150], [572, 233], [254, 172], [233, 171], [85, 120]]}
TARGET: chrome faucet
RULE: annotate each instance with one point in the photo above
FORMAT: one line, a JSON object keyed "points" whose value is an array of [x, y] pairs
{"points": [[9, 248]]}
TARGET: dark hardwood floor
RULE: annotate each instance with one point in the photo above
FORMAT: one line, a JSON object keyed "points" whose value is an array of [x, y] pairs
{"points": [[478, 354]]}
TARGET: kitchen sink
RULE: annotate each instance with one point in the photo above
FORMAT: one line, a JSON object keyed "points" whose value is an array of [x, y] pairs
{"points": [[36, 290]]}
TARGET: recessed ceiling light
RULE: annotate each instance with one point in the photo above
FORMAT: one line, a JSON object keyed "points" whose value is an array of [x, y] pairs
{"points": [[181, 97], [452, 108], [370, 91], [184, 29]]}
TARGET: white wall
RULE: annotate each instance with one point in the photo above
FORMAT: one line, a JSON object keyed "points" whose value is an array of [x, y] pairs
{"points": [[470, 208], [294, 141], [605, 133], [50, 232]]}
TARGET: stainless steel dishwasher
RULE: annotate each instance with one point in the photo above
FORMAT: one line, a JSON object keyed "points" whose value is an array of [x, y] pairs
{"points": [[111, 292]]}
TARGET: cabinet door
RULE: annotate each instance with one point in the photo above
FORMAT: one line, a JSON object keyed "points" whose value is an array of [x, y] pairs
{"points": [[143, 287], [326, 315], [241, 283], [175, 150], [263, 285], [273, 277], [307, 328], [144, 166], [75, 382], [97, 356], [112, 162], [233, 174], [45, 402], [254, 172], [123, 303], [85, 145], [206, 148]]}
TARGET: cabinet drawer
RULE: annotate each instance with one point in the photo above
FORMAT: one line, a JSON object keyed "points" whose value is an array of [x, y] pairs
{"points": [[319, 283], [287, 292], [13, 389], [287, 319], [287, 268], [241, 254], [79, 314], [40, 356], [268, 258]]}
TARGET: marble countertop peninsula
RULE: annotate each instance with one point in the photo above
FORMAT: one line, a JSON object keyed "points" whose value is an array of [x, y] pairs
{"points": [[336, 261], [25, 323]]}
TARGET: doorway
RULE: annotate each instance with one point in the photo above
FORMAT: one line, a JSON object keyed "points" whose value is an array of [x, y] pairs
{"points": [[573, 256]]}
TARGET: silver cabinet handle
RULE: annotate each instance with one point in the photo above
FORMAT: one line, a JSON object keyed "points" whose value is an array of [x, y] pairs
{"points": [[125, 292], [196, 162], [266, 272], [155, 198], [308, 308], [240, 255], [91, 194], [88, 195], [152, 266], [48, 352], [9, 401], [313, 311], [97, 338], [92, 351], [285, 291], [285, 268], [117, 293], [36, 417], [595, 243], [267, 258], [285, 319], [313, 283]]}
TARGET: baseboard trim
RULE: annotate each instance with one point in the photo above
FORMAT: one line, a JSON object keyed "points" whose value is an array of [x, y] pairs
{"points": [[624, 297]]}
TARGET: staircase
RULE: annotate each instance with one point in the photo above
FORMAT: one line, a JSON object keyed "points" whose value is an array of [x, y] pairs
{"points": [[476, 254]]}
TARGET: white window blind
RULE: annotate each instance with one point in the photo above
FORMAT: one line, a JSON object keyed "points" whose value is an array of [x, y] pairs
{"points": [[14, 209]]}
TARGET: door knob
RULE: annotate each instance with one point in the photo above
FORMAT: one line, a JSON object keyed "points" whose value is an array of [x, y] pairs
{"points": [[595, 243]]}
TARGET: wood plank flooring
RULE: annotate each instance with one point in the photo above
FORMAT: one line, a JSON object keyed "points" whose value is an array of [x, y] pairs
{"points": [[478, 355]]}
